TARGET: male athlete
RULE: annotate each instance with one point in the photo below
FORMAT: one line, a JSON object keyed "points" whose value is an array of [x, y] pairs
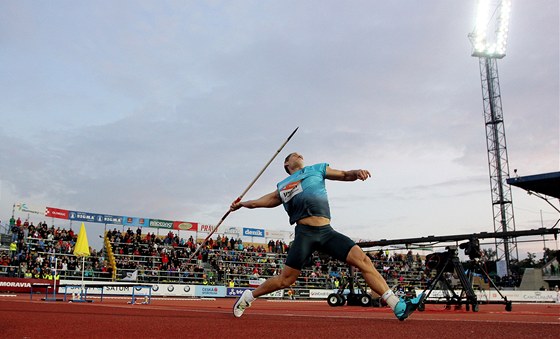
{"points": [[304, 197]]}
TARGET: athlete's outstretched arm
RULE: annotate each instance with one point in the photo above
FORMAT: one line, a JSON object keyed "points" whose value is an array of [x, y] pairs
{"points": [[269, 200], [353, 175]]}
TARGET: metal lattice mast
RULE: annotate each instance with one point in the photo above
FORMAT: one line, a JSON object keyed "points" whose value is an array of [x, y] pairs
{"points": [[502, 204], [488, 53]]}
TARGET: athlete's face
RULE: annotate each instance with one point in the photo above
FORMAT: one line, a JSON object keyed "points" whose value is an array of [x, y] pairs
{"points": [[294, 160]]}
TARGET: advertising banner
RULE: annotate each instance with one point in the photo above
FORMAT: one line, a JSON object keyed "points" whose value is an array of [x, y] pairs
{"points": [[277, 235], [157, 223], [210, 291], [320, 294], [85, 216], [185, 226], [256, 282], [232, 231], [520, 296], [173, 290], [275, 294], [180, 290], [72, 289], [302, 293], [22, 285], [253, 232], [492, 295], [235, 291], [56, 213], [134, 221], [158, 290], [112, 219], [206, 228], [22, 207]]}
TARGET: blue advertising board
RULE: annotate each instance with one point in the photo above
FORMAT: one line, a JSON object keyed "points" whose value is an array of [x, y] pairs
{"points": [[112, 219], [236, 291], [253, 232], [85, 216], [134, 221]]}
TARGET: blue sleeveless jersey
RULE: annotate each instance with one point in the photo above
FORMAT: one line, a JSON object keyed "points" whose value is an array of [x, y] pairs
{"points": [[304, 194]]}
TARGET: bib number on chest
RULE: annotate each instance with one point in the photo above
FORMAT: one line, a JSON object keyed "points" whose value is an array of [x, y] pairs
{"points": [[290, 190]]}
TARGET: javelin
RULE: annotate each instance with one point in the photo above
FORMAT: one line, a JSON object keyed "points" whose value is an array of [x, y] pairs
{"points": [[241, 196]]}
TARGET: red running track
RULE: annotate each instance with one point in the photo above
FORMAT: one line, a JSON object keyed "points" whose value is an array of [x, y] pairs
{"points": [[196, 318]]}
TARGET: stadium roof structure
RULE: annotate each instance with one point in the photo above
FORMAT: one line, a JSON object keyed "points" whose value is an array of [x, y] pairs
{"points": [[547, 183]]}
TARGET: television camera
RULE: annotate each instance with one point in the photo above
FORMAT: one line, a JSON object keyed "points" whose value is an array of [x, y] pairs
{"points": [[448, 262], [472, 248]]}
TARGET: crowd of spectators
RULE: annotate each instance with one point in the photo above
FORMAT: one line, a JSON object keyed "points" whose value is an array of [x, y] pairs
{"points": [[400, 269], [165, 258], [222, 260], [228, 260], [36, 249]]}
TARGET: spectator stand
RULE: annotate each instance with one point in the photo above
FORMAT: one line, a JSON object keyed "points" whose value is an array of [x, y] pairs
{"points": [[164, 259]]}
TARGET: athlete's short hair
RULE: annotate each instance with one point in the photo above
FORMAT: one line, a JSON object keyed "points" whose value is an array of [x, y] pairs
{"points": [[285, 161]]}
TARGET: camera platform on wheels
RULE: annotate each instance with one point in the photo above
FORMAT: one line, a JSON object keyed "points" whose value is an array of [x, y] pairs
{"points": [[352, 298], [446, 264]]}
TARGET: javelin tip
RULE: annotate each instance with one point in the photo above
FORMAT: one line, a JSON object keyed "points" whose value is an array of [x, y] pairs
{"points": [[294, 132]]}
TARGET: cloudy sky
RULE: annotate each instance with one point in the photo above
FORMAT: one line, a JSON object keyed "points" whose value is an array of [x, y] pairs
{"points": [[168, 109]]}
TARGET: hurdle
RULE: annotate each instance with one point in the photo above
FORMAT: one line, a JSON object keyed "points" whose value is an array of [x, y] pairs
{"points": [[84, 289]]}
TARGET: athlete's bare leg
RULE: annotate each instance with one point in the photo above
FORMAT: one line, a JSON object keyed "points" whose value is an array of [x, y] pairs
{"points": [[357, 258], [286, 278]]}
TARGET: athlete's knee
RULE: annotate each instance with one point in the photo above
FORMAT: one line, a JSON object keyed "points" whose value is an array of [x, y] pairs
{"points": [[287, 281], [287, 277], [359, 259]]}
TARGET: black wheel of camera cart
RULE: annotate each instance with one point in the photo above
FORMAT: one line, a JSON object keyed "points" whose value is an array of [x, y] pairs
{"points": [[333, 300], [365, 300], [341, 300]]}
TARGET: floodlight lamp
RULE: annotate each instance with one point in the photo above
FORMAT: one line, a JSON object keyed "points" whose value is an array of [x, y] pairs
{"points": [[479, 37]]}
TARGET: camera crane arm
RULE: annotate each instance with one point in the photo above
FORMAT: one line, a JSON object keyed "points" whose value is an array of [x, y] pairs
{"points": [[460, 237]]}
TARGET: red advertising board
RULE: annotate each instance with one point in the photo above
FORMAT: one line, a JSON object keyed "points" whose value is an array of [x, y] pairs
{"points": [[56, 213], [185, 226], [22, 285]]}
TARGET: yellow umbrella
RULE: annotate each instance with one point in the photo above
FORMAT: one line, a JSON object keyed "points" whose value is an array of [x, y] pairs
{"points": [[81, 249]]}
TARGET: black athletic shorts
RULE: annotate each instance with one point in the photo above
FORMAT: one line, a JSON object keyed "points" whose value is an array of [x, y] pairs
{"points": [[309, 239]]}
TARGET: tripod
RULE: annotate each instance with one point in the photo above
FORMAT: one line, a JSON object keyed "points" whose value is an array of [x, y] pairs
{"points": [[448, 262]]}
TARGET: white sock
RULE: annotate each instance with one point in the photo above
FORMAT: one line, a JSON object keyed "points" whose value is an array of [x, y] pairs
{"points": [[390, 298]]}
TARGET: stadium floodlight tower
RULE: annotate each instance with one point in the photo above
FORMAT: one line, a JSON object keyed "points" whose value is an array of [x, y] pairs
{"points": [[495, 16]]}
